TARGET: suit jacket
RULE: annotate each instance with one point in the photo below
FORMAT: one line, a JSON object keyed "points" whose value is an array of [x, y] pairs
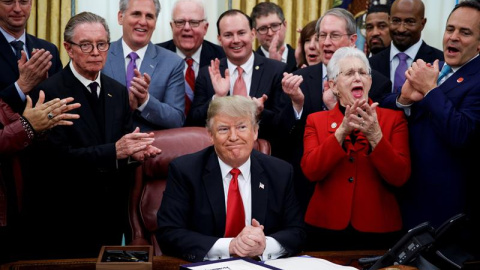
{"points": [[209, 51], [165, 108], [192, 214], [266, 79], [86, 188], [355, 185], [444, 132], [9, 67], [291, 61], [381, 61]]}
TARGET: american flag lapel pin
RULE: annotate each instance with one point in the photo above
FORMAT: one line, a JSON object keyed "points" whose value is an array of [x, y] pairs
{"points": [[261, 185]]}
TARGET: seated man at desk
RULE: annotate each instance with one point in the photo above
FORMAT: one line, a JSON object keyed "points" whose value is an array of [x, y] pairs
{"points": [[228, 199]]}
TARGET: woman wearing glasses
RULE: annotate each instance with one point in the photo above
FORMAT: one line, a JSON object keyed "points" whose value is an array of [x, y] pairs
{"points": [[358, 155]]}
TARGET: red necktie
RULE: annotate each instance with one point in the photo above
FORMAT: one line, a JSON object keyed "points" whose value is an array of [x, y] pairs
{"points": [[239, 88], [235, 211], [190, 79]]}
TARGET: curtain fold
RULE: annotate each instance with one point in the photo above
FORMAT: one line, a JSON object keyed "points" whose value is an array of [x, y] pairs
{"points": [[47, 21], [297, 13]]}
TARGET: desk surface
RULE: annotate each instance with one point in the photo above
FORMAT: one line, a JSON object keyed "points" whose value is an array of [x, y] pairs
{"points": [[170, 263]]}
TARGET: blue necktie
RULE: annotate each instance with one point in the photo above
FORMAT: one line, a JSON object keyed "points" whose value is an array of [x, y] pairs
{"points": [[445, 70]]}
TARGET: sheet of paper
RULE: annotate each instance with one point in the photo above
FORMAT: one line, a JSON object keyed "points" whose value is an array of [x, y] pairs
{"points": [[229, 265], [306, 263]]}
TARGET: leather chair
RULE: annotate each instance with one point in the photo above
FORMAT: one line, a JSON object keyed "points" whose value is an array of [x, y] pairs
{"points": [[151, 178]]}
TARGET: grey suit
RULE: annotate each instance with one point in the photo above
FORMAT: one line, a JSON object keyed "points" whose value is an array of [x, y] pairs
{"points": [[165, 108]]}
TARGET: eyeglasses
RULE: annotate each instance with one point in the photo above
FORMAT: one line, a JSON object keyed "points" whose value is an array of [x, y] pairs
{"points": [[11, 2], [193, 23], [333, 36], [406, 23], [351, 73], [264, 29], [88, 47]]}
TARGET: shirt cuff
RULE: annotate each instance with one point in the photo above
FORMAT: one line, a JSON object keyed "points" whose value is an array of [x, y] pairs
{"points": [[219, 250], [20, 92], [299, 114], [406, 108], [142, 107], [273, 249]]}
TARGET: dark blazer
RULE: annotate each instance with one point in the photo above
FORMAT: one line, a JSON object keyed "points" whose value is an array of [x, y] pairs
{"points": [[209, 51], [381, 61], [266, 79], [192, 214], [291, 61], [85, 188], [9, 67], [444, 133]]}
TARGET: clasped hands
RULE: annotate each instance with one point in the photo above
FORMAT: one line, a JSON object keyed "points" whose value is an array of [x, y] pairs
{"points": [[138, 91], [221, 85], [421, 77], [250, 242], [137, 145]]}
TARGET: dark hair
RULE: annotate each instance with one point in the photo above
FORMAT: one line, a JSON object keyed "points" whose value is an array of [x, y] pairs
{"points": [[467, 4], [232, 12], [307, 31], [379, 9], [264, 9], [81, 18]]}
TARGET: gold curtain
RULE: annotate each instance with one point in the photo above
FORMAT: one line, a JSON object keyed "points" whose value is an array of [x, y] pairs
{"points": [[47, 21], [297, 13]]}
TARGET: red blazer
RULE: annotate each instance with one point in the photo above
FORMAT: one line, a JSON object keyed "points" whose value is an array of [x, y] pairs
{"points": [[354, 184]]}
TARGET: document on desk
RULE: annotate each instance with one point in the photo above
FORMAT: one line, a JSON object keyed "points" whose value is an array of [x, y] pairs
{"points": [[306, 263], [228, 264]]}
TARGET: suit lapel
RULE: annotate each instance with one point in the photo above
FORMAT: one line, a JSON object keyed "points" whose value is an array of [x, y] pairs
{"points": [[315, 89], [110, 99], [260, 187], [213, 183], [117, 63], [257, 73], [149, 60], [7, 53]]}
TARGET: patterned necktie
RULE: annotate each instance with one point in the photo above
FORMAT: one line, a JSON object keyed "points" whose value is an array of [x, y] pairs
{"points": [[190, 87], [131, 67], [445, 70], [235, 211], [400, 72], [18, 46], [240, 88]]}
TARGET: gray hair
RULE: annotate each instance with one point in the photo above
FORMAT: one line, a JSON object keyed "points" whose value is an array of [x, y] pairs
{"points": [[234, 106], [199, 3], [342, 14], [333, 67], [81, 18], [123, 6]]}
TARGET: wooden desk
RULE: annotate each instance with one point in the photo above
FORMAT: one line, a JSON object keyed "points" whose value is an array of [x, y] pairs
{"points": [[170, 263]]}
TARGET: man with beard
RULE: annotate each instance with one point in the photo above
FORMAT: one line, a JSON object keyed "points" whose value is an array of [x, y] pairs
{"points": [[407, 20], [376, 25]]}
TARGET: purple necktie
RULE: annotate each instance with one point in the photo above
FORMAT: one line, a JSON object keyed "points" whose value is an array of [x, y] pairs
{"points": [[131, 66], [400, 72]]}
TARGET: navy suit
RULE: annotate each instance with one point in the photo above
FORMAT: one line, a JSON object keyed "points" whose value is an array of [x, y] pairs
{"points": [[444, 133], [165, 108], [290, 147], [266, 79], [209, 51], [9, 67], [81, 202], [192, 214], [291, 61], [381, 61]]}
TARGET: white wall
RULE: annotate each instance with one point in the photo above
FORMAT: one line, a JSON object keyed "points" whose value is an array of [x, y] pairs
{"points": [[109, 10], [436, 12]]}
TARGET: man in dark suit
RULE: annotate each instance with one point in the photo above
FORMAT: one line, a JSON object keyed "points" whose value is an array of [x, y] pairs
{"points": [[270, 27], [260, 76], [407, 20], [336, 29], [443, 114], [198, 219], [82, 202], [189, 27], [18, 78]]}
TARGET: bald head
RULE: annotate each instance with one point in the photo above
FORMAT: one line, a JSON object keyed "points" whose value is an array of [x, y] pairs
{"points": [[407, 22]]}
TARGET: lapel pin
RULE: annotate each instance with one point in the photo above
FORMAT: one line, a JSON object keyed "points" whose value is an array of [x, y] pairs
{"points": [[110, 95], [257, 67], [333, 125], [459, 80], [262, 186], [152, 66]]}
